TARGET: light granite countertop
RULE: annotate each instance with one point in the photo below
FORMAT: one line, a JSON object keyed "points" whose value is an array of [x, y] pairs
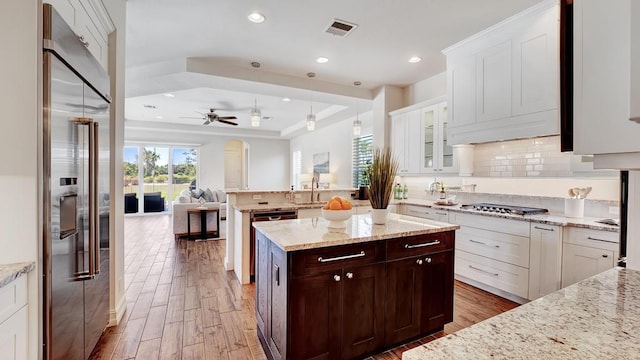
{"points": [[549, 219], [285, 191], [10, 272], [310, 233], [597, 318], [290, 206]]}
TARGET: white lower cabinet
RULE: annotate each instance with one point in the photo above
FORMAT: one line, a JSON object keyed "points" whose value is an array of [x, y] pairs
{"points": [[586, 253], [545, 260], [425, 212], [497, 274], [14, 320]]}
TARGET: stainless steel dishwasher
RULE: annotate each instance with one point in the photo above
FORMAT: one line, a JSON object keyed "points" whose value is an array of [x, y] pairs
{"points": [[272, 215]]}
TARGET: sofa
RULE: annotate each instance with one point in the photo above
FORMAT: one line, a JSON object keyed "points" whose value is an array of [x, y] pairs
{"points": [[153, 202], [130, 203], [186, 200]]}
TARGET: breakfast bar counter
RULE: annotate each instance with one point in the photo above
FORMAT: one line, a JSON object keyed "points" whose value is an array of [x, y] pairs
{"points": [[597, 318]]}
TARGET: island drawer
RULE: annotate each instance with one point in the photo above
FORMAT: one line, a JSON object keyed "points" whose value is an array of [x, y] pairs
{"points": [[419, 245], [313, 261]]}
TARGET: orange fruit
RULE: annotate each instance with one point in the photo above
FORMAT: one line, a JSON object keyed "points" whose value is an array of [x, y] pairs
{"points": [[346, 205], [326, 206], [337, 198], [335, 205]]}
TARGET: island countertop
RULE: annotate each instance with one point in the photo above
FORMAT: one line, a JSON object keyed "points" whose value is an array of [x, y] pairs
{"points": [[310, 233], [597, 318]]}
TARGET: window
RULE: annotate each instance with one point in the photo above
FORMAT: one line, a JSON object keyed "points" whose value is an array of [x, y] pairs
{"points": [[296, 165], [362, 155]]}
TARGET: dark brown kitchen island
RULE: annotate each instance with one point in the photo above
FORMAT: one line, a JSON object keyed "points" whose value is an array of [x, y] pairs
{"points": [[345, 294]]}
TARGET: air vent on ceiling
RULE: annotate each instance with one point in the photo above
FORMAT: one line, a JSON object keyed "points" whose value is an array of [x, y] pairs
{"points": [[149, 106], [340, 28]]}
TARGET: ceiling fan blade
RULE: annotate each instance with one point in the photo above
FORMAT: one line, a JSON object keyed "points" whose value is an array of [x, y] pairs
{"points": [[227, 117], [228, 122], [207, 122]]}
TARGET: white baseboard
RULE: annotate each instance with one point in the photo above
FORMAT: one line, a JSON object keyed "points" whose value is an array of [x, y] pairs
{"points": [[115, 315]]}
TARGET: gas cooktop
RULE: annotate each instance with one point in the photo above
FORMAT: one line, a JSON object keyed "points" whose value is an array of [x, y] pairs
{"points": [[505, 209]]}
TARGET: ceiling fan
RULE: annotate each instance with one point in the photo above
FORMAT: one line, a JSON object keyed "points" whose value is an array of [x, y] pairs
{"points": [[211, 116]]}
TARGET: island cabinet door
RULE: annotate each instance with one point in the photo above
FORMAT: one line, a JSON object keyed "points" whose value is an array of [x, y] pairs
{"points": [[404, 299], [262, 283], [315, 321], [277, 308], [437, 304], [363, 292]]}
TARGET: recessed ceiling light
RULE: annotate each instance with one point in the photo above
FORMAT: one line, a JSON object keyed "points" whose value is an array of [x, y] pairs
{"points": [[415, 59], [169, 95], [286, 99], [322, 60], [159, 117], [256, 17]]}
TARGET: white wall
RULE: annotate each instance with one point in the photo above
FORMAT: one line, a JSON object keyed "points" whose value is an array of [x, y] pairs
{"points": [[20, 99], [425, 89], [117, 48], [335, 139], [269, 167]]}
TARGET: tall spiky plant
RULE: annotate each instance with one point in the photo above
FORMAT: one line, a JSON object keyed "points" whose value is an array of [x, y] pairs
{"points": [[382, 174]]}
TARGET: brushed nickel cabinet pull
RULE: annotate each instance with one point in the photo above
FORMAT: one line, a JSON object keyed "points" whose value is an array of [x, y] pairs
{"points": [[349, 275], [541, 228], [277, 268], [431, 243], [419, 261], [483, 271], [485, 244], [337, 258], [336, 278]]}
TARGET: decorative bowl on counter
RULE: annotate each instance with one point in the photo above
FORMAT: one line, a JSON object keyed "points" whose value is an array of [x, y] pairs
{"points": [[337, 218]]}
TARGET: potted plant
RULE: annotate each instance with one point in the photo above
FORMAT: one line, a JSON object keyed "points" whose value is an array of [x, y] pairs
{"points": [[382, 174]]}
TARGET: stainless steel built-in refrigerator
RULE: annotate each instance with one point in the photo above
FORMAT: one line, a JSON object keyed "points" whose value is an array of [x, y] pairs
{"points": [[75, 168]]}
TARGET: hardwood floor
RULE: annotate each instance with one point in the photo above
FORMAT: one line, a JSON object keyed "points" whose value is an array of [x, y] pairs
{"points": [[182, 304]]}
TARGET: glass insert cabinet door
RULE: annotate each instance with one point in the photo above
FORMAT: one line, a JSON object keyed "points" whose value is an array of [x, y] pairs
{"points": [[447, 150], [437, 154], [428, 118]]}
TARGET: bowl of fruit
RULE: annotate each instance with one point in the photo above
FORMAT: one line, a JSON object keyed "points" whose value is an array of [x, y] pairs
{"points": [[337, 211]]}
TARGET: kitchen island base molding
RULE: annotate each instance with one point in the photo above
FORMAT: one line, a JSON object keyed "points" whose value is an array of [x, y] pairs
{"points": [[354, 300]]}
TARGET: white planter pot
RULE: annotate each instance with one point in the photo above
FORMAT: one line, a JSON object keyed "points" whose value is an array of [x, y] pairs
{"points": [[379, 216]]}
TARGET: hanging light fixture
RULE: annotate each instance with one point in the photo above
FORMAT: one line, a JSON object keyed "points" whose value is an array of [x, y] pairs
{"points": [[357, 126], [255, 114], [311, 120]]}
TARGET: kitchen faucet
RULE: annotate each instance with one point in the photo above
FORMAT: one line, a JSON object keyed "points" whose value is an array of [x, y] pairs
{"points": [[435, 186], [313, 180]]}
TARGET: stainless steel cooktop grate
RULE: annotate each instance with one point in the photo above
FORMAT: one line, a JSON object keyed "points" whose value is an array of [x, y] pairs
{"points": [[505, 209]]}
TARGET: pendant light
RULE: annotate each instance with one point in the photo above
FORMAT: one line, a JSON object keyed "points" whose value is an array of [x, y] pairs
{"points": [[255, 114], [311, 120], [357, 126]]}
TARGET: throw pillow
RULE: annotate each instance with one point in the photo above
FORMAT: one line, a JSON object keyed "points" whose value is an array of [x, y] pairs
{"points": [[185, 192], [197, 193], [183, 199], [208, 195], [222, 197]]}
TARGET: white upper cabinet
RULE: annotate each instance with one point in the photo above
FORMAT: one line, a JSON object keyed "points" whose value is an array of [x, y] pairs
{"points": [[90, 21], [437, 154], [406, 140], [493, 85], [603, 66], [503, 83], [419, 139]]}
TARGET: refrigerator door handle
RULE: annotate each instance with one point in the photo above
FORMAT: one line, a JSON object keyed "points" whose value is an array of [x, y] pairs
{"points": [[94, 199], [93, 168]]}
